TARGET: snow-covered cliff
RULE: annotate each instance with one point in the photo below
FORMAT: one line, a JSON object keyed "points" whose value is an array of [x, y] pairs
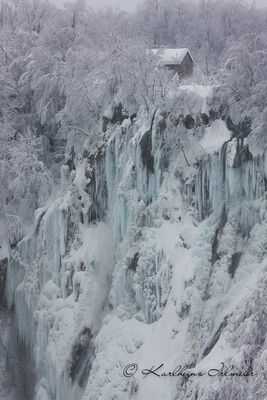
{"points": [[154, 251]]}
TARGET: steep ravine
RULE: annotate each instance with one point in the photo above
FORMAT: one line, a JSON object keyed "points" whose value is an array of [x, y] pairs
{"points": [[145, 259]]}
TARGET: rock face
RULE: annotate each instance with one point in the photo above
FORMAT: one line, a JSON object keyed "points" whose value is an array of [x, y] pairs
{"points": [[3, 271], [151, 254]]}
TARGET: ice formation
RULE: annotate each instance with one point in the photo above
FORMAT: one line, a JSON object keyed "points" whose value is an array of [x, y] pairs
{"points": [[147, 257]]}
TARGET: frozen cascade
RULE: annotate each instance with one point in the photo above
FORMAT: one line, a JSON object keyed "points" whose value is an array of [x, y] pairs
{"points": [[232, 178], [129, 257]]}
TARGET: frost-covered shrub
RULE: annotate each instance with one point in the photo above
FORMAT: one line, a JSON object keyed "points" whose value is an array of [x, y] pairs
{"points": [[29, 183]]}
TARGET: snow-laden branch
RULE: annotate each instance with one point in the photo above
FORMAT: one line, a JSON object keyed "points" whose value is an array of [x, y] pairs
{"points": [[79, 129]]}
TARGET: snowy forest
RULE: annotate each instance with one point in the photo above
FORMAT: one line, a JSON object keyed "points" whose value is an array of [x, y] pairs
{"points": [[133, 224], [61, 70]]}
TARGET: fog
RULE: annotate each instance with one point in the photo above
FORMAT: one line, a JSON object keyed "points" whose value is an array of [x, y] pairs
{"points": [[130, 5]]}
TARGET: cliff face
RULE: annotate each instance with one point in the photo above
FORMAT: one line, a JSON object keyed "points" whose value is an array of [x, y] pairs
{"points": [[153, 252]]}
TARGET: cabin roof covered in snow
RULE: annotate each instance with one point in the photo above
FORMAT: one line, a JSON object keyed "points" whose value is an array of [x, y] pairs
{"points": [[171, 56]]}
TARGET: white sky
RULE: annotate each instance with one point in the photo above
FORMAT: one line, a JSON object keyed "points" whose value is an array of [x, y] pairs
{"points": [[127, 5], [130, 5]]}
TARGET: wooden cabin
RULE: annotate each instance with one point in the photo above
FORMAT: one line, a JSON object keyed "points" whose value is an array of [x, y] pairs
{"points": [[179, 61]]}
